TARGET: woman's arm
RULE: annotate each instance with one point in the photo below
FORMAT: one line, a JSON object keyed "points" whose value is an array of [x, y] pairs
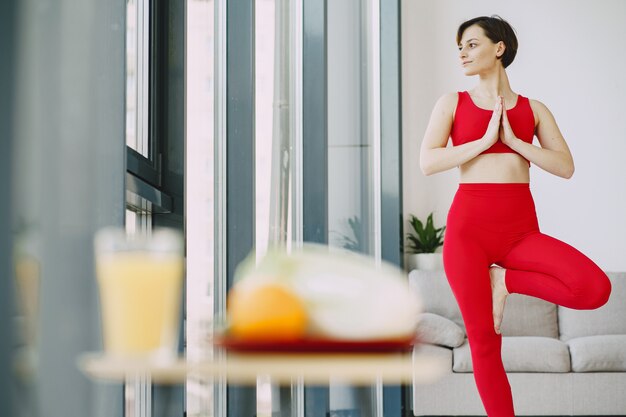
{"points": [[554, 155], [434, 155]]}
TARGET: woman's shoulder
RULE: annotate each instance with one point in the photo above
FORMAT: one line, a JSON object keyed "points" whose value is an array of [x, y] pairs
{"points": [[540, 110], [451, 96], [535, 104], [448, 101]]}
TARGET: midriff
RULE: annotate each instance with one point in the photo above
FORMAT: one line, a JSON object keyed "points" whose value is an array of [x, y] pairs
{"points": [[495, 167]]}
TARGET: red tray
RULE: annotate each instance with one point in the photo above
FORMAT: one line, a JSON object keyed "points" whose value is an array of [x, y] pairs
{"points": [[312, 345]]}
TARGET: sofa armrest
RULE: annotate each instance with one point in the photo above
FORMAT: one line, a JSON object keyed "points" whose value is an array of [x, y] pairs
{"points": [[438, 330]]}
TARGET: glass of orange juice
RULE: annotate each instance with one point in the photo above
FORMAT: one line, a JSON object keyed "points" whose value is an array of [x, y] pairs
{"points": [[140, 282]]}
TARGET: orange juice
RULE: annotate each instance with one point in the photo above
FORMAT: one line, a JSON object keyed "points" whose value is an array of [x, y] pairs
{"points": [[140, 293]]}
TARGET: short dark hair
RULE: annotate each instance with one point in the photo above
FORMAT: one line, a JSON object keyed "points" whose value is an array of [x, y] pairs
{"points": [[497, 29]]}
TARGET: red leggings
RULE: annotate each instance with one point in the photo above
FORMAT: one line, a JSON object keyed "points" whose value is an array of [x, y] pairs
{"points": [[497, 224]]}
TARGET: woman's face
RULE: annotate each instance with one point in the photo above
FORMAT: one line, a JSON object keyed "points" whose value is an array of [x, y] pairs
{"points": [[477, 53]]}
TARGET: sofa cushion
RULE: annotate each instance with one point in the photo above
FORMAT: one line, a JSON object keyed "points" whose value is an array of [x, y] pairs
{"points": [[598, 353], [436, 294], [522, 354], [529, 316], [602, 321], [438, 330], [435, 352]]}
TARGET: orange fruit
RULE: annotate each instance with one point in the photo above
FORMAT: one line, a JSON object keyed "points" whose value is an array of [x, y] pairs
{"points": [[267, 312]]}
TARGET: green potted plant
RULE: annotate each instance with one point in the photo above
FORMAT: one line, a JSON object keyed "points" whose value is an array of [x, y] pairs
{"points": [[423, 242]]}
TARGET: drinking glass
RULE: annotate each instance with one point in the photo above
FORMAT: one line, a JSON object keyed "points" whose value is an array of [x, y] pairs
{"points": [[140, 281]]}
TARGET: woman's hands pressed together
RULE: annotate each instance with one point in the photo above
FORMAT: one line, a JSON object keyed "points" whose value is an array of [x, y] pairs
{"points": [[499, 127], [507, 136], [493, 129]]}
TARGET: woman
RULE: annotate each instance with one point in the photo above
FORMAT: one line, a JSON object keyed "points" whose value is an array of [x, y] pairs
{"points": [[493, 246]]}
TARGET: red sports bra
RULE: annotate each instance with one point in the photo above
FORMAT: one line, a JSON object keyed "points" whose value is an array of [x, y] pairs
{"points": [[470, 123]]}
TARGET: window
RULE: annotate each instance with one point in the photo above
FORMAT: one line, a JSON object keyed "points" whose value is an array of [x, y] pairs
{"points": [[146, 111], [143, 149]]}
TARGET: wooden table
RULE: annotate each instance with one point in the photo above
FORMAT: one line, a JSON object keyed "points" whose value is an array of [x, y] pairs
{"points": [[318, 368]]}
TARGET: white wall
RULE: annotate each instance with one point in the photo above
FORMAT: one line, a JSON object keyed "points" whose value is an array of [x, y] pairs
{"points": [[570, 57]]}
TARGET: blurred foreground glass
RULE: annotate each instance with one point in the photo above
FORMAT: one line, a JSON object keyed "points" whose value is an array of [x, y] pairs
{"points": [[140, 281]]}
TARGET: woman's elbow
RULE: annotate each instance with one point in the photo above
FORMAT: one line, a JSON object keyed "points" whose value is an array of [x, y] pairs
{"points": [[426, 168], [569, 170]]}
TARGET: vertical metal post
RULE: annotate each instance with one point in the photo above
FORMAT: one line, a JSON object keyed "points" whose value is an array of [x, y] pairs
{"points": [[240, 162], [168, 110], [396, 402], [221, 137], [314, 123], [7, 75], [391, 133], [314, 153]]}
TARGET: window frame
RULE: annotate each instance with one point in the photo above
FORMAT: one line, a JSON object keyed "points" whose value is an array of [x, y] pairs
{"points": [[145, 176]]}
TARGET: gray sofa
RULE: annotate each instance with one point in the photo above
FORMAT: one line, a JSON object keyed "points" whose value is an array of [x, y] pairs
{"points": [[559, 361]]}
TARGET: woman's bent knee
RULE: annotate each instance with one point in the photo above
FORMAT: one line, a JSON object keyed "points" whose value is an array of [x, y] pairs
{"points": [[597, 293], [604, 291]]}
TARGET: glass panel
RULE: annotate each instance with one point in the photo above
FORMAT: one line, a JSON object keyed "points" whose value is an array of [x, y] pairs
{"points": [[131, 222], [138, 222], [350, 219], [353, 150], [200, 122], [131, 73], [137, 67]]}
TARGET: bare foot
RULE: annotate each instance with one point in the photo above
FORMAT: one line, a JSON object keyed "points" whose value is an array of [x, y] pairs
{"points": [[498, 295]]}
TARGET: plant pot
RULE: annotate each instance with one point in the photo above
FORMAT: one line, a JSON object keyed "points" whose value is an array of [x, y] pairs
{"points": [[424, 261]]}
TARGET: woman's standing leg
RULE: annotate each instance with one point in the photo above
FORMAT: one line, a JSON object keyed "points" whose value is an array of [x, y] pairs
{"points": [[544, 267], [467, 269]]}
